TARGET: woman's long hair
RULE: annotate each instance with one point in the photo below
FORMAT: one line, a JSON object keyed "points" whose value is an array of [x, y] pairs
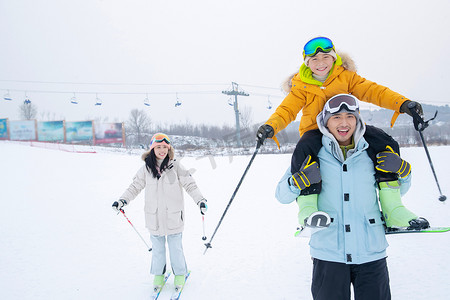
{"points": [[151, 164]]}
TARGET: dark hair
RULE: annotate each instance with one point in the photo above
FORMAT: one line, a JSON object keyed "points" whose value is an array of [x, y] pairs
{"points": [[151, 163]]}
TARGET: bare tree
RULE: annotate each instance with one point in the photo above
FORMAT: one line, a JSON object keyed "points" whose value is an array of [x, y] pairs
{"points": [[27, 111], [138, 127], [246, 117]]}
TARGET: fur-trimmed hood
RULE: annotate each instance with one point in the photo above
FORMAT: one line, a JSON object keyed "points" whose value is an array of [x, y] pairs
{"points": [[347, 62]]}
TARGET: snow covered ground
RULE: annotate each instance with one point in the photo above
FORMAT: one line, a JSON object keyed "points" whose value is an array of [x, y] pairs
{"points": [[59, 238]]}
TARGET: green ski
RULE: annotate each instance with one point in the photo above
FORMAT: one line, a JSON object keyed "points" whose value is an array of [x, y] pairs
{"points": [[427, 230]]}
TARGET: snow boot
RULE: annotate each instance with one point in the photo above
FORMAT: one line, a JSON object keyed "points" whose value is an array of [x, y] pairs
{"points": [[394, 213], [158, 281], [179, 280], [307, 205]]}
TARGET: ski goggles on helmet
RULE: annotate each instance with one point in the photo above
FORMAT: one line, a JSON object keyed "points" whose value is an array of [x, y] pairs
{"points": [[336, 103], [160, 137], [319, 43]]}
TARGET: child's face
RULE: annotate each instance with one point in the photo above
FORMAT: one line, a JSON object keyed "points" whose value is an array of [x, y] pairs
{"points": [[161, 151], [321, 63], [342, 126]]}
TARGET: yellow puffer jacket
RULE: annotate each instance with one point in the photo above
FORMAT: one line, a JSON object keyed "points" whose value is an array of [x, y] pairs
{"points": [[310, 95]]}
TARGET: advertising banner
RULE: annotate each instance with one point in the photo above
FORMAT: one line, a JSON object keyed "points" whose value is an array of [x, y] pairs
{"points": [[108, 133], [79, 131], [22, 130], [4, 129], [51, 131]]}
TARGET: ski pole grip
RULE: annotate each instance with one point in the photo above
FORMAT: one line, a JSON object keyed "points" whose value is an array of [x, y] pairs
{"points": [[419, 123]]}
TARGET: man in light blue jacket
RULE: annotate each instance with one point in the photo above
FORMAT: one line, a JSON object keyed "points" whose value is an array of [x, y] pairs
{"points": [[352, 249]]}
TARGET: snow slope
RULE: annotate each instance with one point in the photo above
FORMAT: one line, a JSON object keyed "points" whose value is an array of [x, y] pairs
{"points": [[59, 238]]}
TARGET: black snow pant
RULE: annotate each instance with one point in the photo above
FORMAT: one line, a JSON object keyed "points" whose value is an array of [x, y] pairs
{"points": [[332, 280]]}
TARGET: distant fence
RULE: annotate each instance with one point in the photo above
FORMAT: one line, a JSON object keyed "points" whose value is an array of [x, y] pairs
{"points": [[83, 132]]}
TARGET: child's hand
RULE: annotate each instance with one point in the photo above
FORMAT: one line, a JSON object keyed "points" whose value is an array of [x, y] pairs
{"points": [[264, 131], [203, 206], [409, 105], [389, 161], [308, 174], [117, 205]]}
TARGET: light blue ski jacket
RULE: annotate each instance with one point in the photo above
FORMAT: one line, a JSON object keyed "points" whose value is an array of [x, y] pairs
{"points": [[349, 195]]}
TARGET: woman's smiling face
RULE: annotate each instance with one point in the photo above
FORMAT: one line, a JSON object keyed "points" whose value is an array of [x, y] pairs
{"points": [[161, 150]]}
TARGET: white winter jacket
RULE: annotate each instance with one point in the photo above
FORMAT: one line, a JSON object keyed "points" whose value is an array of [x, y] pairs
{"points": [[164, 200]]}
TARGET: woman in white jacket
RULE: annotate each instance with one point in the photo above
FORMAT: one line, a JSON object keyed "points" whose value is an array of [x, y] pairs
{"points": [[164, 178]]}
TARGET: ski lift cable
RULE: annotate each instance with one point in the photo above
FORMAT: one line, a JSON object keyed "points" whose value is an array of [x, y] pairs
{"points": [[114, 93], [113, 83], [261, 87]]}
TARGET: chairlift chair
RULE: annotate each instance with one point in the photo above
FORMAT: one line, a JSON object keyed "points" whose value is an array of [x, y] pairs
{"points": [[146, 101], [269, 104], [7, 96], [98, 101], [178, 103]]}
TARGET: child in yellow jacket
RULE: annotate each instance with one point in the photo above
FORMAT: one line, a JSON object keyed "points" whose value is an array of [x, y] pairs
{"points": [[323, 75]]}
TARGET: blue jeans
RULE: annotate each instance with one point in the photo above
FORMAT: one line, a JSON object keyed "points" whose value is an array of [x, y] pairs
{"points": [[177, 260]]}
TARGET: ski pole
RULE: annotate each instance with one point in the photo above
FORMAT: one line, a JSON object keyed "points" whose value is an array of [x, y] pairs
{"points": [[441, 197], [420, 125], [123, 212], [203, 223], [208, 245]]}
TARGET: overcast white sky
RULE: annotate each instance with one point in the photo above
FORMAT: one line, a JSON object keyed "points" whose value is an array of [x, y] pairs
{"points": [[125, 49]]}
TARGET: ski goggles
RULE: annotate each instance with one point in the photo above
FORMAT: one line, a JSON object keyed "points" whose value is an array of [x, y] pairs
{"points": [[336, 103], [159, 138], [319, 43]]}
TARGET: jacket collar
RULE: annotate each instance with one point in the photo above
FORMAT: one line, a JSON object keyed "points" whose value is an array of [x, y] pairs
{"points": [[306, 74]]}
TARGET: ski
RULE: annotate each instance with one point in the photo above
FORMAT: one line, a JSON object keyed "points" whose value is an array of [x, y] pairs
{"points": [[157, 290], [427, 230], [177, 294], [307, 231]]}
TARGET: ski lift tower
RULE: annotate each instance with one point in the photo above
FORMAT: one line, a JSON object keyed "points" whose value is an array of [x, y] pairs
{"points": [[236, 93]]}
